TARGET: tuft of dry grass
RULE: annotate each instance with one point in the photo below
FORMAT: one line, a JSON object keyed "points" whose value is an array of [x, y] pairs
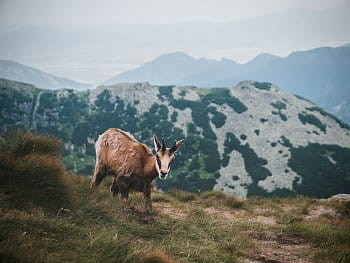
{"points": [[30, 169], [216, 198], [161, 198], [331, 238], [342, 208], [152, 256], [19, 143], [183, 196]]}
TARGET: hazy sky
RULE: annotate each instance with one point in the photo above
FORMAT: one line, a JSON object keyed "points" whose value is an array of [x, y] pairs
{"points": [[91, 12], [92, 55]]}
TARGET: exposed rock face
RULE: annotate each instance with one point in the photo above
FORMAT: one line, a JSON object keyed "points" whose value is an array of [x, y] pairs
{"points": [[343, 198], [251, 139]]}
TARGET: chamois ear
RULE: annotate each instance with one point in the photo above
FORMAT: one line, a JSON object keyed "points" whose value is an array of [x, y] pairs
{"points": [[156, 142], [176, 146]]}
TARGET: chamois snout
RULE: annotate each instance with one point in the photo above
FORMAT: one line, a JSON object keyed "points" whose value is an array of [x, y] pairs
{"points": [[163, 175]]}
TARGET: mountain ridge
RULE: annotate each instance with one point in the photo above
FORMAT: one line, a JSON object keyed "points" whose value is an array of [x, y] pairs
{"points": [[19, 72], [319, 74]]}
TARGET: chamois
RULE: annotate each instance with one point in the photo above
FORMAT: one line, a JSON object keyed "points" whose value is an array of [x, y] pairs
{"points": [[131, 163]]}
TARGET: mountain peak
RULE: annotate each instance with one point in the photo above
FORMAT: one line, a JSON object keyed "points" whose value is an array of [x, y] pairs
{"points": [[263, 58], [178, 55]]}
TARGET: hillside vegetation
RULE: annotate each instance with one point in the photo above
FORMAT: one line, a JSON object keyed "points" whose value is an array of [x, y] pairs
{"points": [[251, 139], [48, 215]]}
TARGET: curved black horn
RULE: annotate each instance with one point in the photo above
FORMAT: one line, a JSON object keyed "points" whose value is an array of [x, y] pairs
{"points": [[163, 145], [173, 148]]}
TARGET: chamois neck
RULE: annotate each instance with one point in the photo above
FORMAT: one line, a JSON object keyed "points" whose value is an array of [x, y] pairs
{"points": [[150, 168]]}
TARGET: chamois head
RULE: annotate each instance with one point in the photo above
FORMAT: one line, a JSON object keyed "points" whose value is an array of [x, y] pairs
{"points": [[165, 156]]}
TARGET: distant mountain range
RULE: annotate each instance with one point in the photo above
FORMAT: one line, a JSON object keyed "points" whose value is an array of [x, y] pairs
{"points": [[321, 74], [18, 72]]}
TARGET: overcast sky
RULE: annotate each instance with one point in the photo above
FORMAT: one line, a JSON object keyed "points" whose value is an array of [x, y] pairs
{"points": [[97, 56], [64, 13]]}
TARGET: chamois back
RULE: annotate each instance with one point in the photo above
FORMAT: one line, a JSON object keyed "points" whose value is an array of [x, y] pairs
{"points": [[119, 153]]}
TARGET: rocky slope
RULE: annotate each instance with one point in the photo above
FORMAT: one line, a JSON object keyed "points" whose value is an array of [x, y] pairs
{"points": [[251, 139]]}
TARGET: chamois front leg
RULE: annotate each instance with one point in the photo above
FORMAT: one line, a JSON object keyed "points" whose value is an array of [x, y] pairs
{"points": [[147, 196], [99, 174]]}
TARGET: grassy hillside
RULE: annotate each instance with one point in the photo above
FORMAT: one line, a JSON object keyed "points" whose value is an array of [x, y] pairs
{"points": [[75, 223]]}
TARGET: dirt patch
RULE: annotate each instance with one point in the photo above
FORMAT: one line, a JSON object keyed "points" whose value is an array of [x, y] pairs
{"points": [[287, 208], [173, 212], [259, 210], [225, 214], [137, 213], [266, 220], [279, 247], [318, 211]]}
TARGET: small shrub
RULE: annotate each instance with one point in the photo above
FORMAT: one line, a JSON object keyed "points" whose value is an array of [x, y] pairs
{"points": [[262, 85], [243, 137], [279, 105], [263, 120], [313, 120]]}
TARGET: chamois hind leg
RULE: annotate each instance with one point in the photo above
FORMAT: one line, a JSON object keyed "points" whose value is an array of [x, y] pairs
{"points": [[147, 196], [124, 192], [114, 188]]}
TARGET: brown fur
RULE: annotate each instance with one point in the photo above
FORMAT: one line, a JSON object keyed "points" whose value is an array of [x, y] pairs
{"points": [[131, 163]]}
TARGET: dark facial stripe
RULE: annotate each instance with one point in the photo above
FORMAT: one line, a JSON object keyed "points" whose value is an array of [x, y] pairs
{"points": [[158, 161]]}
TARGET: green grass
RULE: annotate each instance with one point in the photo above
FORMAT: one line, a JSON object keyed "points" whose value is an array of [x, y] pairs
{"points": [[331, 239], [79, 224], [183, 196], [99, 229], [216, 198]]}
